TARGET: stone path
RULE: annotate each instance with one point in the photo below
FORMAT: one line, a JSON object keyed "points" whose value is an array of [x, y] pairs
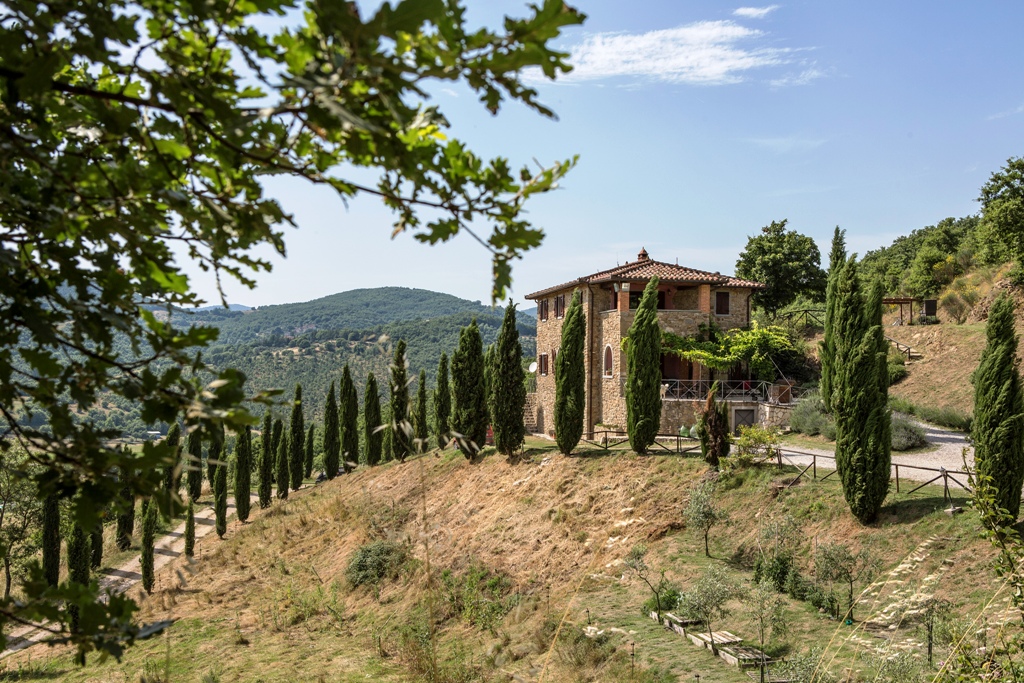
{"points": [[118, 580]]}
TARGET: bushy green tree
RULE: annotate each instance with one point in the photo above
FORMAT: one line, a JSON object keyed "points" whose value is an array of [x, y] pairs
{"points": [[51, 539], [349, 421], [194, 464], [643, 374], [469, 396], [372, 421], [310, 450], [998, 427], [243, 474], [190, 529], [268, 459], [442, 403], [283, 479], [78, 566], [860, 395], [148, 546], [332, 436], [570, 378], [398, 385], [827, 348], [788, 263], [422, 429], [508, 388], [220, 498], [713, 428], [296, 440], [1002, 212]]}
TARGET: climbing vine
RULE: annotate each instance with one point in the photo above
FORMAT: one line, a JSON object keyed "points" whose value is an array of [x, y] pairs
{"points": [[718, 350]]}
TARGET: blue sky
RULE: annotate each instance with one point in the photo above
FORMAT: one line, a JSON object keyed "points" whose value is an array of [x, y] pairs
{"points": [[696, 124]]}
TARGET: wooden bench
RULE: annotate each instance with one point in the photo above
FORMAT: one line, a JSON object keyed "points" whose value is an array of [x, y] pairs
{"points": [[742, 656], [702, 639]]}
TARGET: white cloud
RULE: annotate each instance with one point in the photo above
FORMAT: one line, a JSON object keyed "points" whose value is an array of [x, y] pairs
{"points": [[787, 144], [705, 52], [754, 12], [1004, 114], [449, 92], [802, 78]]}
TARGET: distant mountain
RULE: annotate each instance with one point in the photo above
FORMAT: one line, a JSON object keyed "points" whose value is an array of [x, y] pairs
{"points": [[218, 307]]}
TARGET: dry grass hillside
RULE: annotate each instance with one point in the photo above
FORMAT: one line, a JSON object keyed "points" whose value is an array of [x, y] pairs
{"points": [[501, 567]]}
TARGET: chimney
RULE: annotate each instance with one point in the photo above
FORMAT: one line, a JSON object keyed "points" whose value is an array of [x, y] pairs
{"points": [[643, 256]]}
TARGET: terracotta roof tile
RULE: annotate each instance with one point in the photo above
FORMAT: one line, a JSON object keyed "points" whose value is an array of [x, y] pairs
{"points": [[644, 268]]}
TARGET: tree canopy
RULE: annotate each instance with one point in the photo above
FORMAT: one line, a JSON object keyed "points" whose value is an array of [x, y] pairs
{"points": [[787, 262], [135, 132]]}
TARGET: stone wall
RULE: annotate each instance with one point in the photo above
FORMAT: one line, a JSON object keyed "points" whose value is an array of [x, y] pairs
{"points": [[530, 410], [737, 316], [549, 340], [775, 415]]}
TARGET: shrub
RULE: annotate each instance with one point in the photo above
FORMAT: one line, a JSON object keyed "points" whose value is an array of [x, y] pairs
{"points": [[951, 418], [374, 562], [897, 367], [796, 586], [905, 434], [809, 416], [773, 570], [479, 596], [756, 441], [668, 594], [823, 600], [577, 649]]}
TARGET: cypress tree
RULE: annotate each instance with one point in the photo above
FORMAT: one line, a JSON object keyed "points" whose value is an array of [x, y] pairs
{"points": [[422, 428], [310, 445], [125, 515], [860, 395], [469, 399], [489, 360], [372, 421], [399, 386], [570, 378], [96, 546], [79, 553], [282, 469], [827, 348], [332, 437], [643, 378], [148, 541], [296, 440], [442, 403], [266, 434], [195, 464], [190, 529], [278, 435], [243, 474], [349, 421], [172, 476], [508, 387], [267, 459], [388, 435], [998, 431], [51, 539], [713, 428], [220, 498], [215, 454]]}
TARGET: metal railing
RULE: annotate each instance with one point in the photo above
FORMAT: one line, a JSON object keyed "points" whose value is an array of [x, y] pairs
{"points": [[728, 390]]}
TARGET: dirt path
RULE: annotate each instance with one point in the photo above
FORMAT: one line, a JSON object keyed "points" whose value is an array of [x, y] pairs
{"points": [[948, 454], [117, 580]]}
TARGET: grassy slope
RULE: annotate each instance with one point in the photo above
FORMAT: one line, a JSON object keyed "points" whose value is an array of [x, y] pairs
{"points": [[270, 602]]}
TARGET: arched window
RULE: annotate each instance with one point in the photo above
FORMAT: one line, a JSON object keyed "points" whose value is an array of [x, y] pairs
{"points": [[608, 360]]}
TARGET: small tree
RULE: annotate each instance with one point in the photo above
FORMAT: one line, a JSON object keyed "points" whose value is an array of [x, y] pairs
{"points": [[420, 423], [836, 562], [220, 498], [51, 539], [442, 403], [766, 614], [643, 378], [78, 567], [296, 440], [332, 436], [194, 464], [190, 529], [243, 474], [372, 421], [268, 458], [399, 387], [998, 427], [148, 546], [349, 422], [282, 469], [508, 389], [570, 378], [707, 599], [929, 615], [662, 591], [702, 514], [713, 428], [469, 393]]}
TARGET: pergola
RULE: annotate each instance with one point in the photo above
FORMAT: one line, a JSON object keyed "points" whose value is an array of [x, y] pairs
{"points": [[901, 301]]}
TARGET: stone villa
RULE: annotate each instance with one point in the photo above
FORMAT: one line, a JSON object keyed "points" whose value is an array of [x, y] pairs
{"points": [[687, 298]]}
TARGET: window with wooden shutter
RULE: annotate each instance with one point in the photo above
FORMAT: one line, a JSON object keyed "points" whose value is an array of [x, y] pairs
{"points": [[560, 306], [542, 365], [608, 360], [721, 303], [542, 309]]}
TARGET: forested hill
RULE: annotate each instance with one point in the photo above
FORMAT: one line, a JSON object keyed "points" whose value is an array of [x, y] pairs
{"points": [[358, 309]]}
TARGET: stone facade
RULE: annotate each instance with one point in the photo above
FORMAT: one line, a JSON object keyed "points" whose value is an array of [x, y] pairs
{"points": [[688, 299]]}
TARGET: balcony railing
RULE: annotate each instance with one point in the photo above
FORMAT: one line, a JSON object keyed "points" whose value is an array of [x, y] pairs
{"points": [[728, 390]]}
